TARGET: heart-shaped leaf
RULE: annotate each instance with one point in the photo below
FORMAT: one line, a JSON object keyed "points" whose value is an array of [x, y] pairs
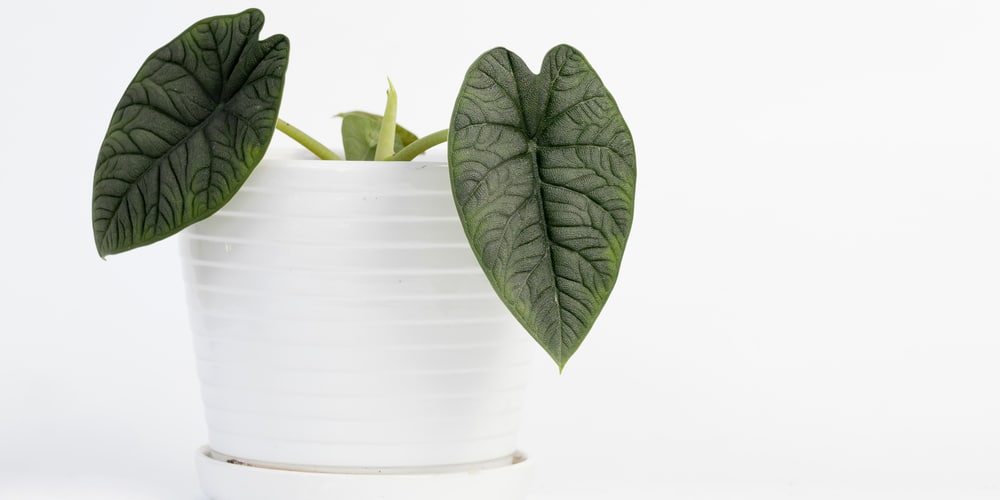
{"points": [[190, 128], [543, 173], [360, 132]]}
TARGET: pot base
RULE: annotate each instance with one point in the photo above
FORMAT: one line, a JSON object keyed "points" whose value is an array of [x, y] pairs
{"points": [[230, 479]]}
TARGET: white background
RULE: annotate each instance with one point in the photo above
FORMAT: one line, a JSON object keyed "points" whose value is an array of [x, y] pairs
{"points": [[809, 303]]}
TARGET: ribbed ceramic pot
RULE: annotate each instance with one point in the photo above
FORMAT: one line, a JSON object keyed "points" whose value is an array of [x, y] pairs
{"points": [[342, 325]]}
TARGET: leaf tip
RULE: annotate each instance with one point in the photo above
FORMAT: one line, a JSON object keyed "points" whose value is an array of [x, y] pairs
{"points": [[560, 359], [98, 245], [103, 249]]}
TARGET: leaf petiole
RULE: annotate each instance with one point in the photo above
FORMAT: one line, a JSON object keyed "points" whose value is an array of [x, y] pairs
{"points": [[420, 145], [316, 147]]}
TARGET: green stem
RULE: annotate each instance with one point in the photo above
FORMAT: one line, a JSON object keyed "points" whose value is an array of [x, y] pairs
{"points": [[387, 134], [308, 142], [420, 145]]}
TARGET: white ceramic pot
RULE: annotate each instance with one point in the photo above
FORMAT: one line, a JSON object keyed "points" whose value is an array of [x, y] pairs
{"points": [[347, 341]]}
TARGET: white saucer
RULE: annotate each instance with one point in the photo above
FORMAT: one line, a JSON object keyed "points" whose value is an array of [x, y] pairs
{"points": [[223, 479]]}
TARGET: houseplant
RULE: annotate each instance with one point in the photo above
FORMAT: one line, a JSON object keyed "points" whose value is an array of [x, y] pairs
{"points": [[538, 189]]}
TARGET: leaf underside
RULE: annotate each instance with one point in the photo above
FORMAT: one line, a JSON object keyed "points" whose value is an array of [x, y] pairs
{"points": [[192, 125], [543, 173]]}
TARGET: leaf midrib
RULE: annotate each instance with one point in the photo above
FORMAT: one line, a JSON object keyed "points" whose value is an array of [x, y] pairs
{"points": [[543, 124]]}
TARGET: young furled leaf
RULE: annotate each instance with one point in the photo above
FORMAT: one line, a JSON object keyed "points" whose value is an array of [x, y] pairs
{"points": [[360, 132]]}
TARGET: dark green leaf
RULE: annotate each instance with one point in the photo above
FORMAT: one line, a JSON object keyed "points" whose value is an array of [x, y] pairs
{"points": [[190, 128], [360, 132], [543, 172]]}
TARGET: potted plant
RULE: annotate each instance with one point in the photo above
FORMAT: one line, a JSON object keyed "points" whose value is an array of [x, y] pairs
{"points": [[346, 316]]}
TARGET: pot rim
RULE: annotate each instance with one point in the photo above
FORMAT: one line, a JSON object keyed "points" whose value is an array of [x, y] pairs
{"points": [[287, 157]]}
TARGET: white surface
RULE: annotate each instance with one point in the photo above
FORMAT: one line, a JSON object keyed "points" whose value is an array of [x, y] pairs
{"points": [[807, 307], [341, 321], [227, 481]]}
